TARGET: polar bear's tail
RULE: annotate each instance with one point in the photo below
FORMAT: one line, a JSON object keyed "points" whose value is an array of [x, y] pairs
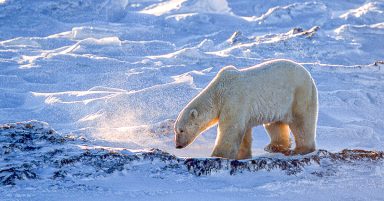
{"points": [[315, 98], [314, 106]]}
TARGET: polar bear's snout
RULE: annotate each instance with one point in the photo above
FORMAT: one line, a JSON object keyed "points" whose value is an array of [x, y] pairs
{"points": [[180, 141], [179, 138]]}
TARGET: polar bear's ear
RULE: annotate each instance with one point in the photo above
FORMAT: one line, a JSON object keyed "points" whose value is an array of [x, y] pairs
{"points": [[193, 113]]}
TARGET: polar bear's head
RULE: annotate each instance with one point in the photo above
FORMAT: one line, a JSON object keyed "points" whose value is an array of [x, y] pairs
{"points": [[199, 115], [190, 123], [187, 127]]}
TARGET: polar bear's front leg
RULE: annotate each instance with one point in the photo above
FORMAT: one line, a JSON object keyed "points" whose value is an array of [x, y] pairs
{"points": [[228, 141], [245, 150]]}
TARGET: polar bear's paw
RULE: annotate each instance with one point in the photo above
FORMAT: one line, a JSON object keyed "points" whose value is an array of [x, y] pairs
{"points": [[277, 148], [298, 151], [303, 150]]}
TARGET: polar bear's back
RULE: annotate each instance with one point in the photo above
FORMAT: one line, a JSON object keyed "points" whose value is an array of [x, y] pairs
{"points": [[281, 69], [279, 73], [268, 85]]}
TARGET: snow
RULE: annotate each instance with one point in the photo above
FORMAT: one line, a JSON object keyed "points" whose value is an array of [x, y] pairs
{"points": [[117, 72], [185, 7], [33, 153]]}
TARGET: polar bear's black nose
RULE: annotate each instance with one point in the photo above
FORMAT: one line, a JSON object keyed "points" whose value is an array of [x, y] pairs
{"points": [[179, 147], [181, 131]]}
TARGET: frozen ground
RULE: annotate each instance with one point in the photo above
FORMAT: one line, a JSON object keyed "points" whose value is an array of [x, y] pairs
{"points": [[117, 72]]}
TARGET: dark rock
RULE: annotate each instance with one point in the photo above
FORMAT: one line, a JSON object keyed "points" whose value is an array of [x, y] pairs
{"points": [[22, 157]]}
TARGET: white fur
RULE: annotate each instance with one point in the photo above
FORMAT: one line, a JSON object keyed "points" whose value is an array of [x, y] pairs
{"points": [[279, 94]]}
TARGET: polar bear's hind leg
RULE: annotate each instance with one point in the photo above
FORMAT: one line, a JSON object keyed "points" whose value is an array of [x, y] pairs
{"points": [[279, 134], [304, 123], [304, 137]]}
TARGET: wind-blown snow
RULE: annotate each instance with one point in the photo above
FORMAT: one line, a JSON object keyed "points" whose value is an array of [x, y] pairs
{"points": [[117, 72]]}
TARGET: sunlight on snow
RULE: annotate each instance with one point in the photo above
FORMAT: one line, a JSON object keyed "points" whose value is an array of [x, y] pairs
{"points": [[164, 7]]}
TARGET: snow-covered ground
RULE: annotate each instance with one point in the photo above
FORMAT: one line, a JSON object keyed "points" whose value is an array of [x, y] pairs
{"points": [[117, 72]]}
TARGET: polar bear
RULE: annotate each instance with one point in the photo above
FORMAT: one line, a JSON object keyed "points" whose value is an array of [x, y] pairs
{"points": [[280, 94]]}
